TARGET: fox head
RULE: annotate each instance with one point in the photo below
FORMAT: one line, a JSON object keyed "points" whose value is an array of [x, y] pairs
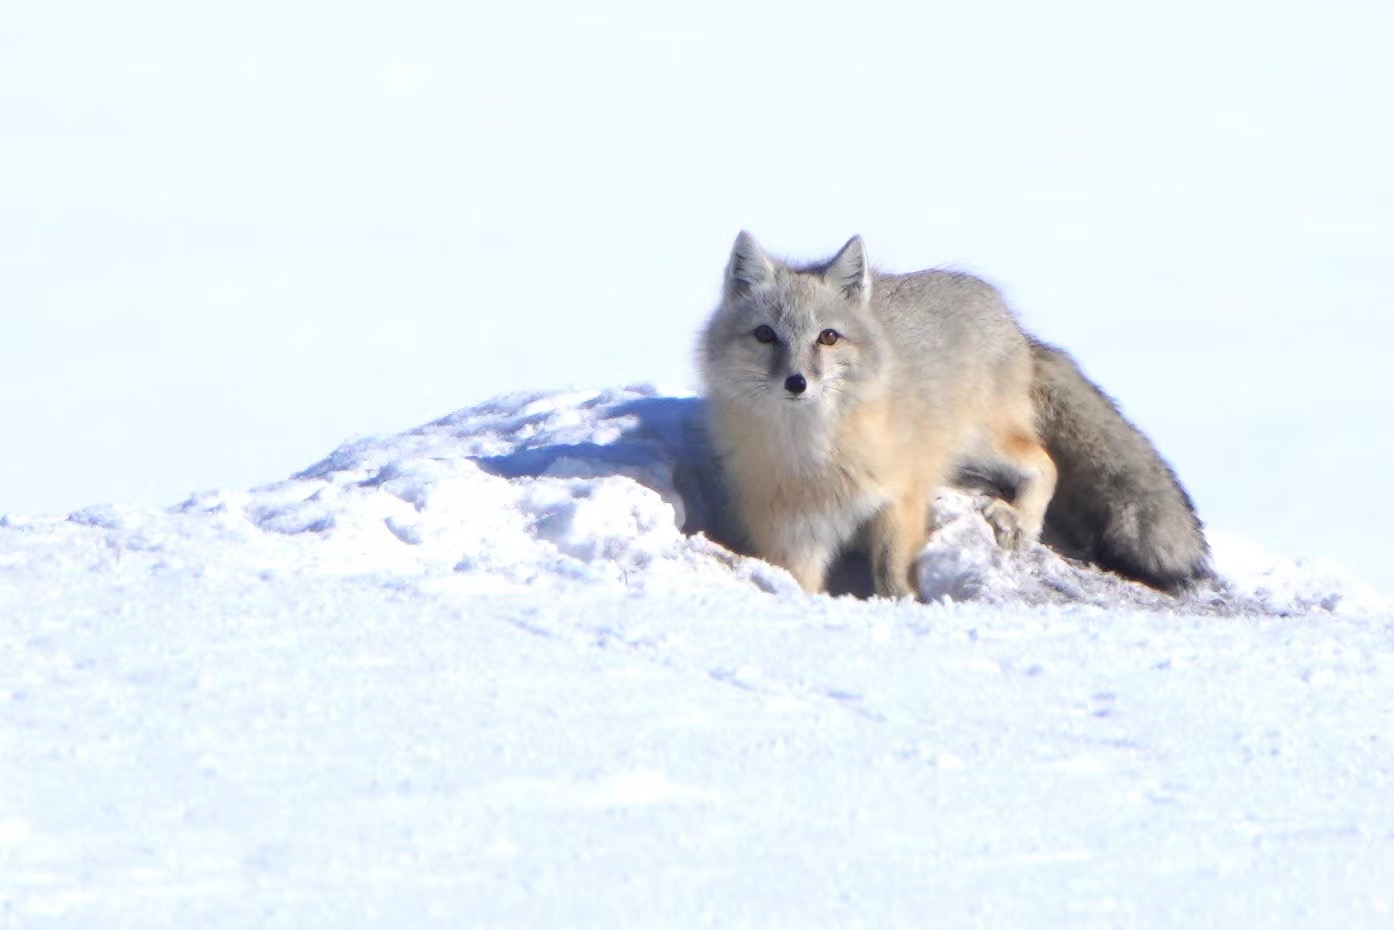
{"points": [[795, 338]]}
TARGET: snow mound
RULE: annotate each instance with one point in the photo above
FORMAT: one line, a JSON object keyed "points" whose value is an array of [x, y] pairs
{"points": [[610, 488]]}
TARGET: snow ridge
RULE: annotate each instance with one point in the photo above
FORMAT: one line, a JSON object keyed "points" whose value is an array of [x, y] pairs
{"points": [[612, 488]]}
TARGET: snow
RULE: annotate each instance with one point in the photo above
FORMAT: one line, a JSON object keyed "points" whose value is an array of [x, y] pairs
{"points": [[500, 671]]}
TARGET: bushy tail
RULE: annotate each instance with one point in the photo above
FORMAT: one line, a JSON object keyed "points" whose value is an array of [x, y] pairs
{"points": [[1116, 503]]}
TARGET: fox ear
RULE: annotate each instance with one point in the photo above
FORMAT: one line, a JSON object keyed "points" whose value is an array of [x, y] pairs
{"points": [[748, 268], [849, 271]]}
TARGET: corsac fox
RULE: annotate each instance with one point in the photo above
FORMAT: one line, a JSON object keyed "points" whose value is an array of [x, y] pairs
{"points": [[840, 399]]}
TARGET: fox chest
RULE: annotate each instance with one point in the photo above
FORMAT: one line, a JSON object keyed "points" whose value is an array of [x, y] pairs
{"points": [[807, 487]]}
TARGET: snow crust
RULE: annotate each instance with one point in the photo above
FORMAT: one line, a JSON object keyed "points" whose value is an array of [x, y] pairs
{"points": [[500, 670]]}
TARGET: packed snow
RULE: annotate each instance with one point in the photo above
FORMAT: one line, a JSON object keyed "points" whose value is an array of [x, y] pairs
{"points": [[503, 670]]}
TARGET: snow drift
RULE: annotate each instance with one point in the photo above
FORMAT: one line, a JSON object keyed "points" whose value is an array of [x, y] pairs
{"points": [[619, 488]]}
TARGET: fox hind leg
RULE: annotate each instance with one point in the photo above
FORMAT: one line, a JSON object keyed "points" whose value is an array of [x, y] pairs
{"points": [[1019, 522]]}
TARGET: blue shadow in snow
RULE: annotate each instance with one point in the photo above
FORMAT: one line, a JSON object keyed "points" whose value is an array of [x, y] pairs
{"points": [[670, 429]]}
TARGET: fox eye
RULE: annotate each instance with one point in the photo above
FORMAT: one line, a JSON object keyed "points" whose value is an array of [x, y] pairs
{"points": [[764, 334], [829, 336]]}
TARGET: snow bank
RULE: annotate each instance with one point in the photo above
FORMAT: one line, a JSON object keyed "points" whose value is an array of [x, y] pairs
{"points": [[611, 488]]}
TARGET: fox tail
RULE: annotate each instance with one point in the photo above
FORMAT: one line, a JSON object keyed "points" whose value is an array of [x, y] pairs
{"points": [[1117, 503]]}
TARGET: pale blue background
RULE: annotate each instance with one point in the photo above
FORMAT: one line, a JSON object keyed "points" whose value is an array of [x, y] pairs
{"points": [[231, 239]]}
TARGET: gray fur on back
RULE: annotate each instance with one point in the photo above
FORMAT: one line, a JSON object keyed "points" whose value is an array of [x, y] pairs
{"points": [[1117, 503], [942, 313], [959, 334]]}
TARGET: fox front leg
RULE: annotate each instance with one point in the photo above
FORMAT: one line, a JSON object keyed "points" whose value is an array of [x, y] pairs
{"points": [[808, 565], [895, 536]]}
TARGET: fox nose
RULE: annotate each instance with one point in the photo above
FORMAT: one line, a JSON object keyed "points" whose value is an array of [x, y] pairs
{"points": [[795, 384]]}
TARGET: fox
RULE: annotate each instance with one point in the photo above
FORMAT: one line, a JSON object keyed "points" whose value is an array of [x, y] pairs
{"points": [[840, 399]]}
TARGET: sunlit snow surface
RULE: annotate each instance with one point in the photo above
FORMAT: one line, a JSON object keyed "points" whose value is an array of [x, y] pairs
{"points": [[496, 672]]}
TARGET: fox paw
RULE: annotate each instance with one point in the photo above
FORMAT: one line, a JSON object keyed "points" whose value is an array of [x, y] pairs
{"points": [[1005, 521]]}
